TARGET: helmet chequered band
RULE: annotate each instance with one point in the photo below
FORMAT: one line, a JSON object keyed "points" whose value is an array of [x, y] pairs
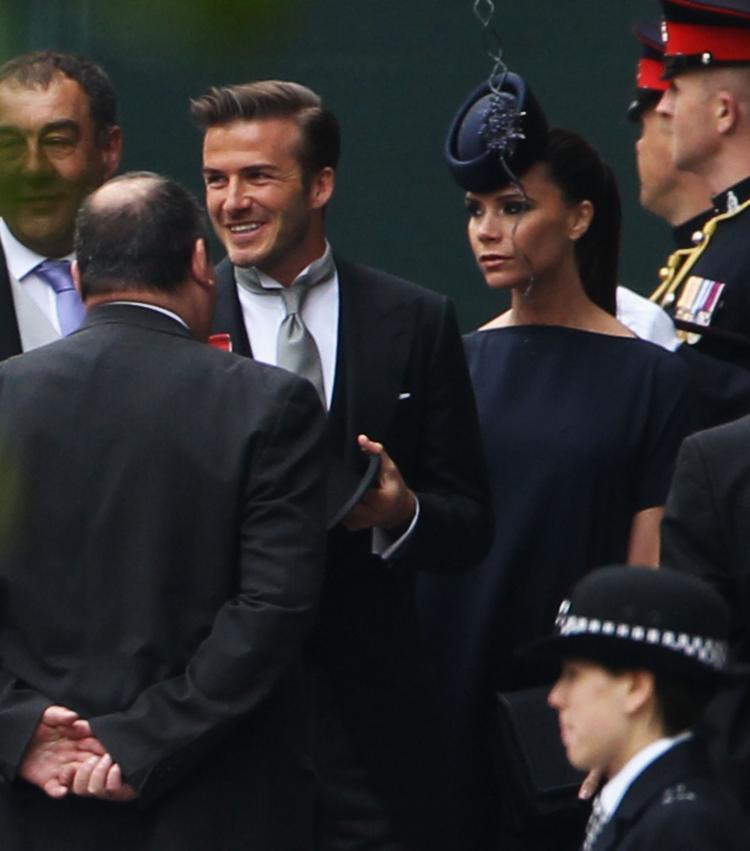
{"points": [[710, 651]]}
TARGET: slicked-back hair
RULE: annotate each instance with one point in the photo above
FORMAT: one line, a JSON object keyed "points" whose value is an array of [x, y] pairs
{"points": [[143, 242], [581, 175], [40, 68], [276, 99]]}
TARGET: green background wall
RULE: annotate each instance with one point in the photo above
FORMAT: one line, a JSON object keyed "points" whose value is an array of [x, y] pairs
{"points": [[393, 71]]}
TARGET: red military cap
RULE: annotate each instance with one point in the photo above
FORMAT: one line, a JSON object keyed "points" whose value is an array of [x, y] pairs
{"points": [[650, 82], [705, 33]]}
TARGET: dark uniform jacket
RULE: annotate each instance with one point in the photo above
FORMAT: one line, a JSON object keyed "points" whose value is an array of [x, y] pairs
{"points": [[712, 297], [714, 248], [673, 805]]}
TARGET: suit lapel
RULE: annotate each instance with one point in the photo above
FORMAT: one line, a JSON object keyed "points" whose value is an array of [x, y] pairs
{"points": [[10, 339], [228, 317], [373, 352]]}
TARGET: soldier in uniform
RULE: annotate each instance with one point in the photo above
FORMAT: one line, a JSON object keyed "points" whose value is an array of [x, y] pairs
{"points": [[679, 197], [707, 59], [642, 652]]}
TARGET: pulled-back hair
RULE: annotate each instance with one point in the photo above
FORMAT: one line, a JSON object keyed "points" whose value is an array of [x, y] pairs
{"points": [[40, 67], [581, 175], [146, 241], [268, 99]]}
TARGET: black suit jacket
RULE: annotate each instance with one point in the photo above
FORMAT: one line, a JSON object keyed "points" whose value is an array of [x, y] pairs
{"points": [[674, 805], [401, 378], [10, 339], [706, 532], [161, 558]]}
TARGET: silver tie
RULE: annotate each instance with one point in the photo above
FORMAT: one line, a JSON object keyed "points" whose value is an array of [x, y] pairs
{"points": [[296, 349]]}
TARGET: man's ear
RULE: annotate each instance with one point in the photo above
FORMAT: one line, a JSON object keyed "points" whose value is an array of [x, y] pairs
{"points": [[727, 111], [641, 688], [75, 274], [581, 218], [201, 267], [322, 188], [111, 151]]}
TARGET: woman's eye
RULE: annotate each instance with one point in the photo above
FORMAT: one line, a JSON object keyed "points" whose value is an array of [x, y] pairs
{"points": [[515, 208], [472, 209]]}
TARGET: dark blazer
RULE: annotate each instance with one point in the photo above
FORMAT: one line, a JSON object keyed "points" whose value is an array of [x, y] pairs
{"points": [[674, 805], [162, 556], [10, 339], [706, 532], [401, 378]]}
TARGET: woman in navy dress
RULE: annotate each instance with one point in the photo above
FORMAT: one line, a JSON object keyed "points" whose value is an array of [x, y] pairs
{"points": [[581, 424]]}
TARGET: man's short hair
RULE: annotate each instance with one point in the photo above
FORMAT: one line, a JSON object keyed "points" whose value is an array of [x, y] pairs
{"points": [[143, 242], [269, 99], [40, 67]]}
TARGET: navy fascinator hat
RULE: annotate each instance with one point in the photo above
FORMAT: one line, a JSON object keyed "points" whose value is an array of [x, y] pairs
{"points": [[496, 137]]}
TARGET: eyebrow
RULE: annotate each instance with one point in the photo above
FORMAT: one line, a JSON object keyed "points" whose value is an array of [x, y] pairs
{"points": [[50, 127]]}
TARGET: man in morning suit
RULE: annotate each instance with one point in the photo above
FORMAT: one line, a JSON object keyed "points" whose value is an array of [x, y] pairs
{"points": [[59, 140], [386, 358], [158, 578]]}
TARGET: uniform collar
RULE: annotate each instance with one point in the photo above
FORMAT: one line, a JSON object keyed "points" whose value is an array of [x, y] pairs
{"points": [[731, 198], [689, 233]]}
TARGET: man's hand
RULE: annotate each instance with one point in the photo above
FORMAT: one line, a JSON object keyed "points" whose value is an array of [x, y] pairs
{"points": [[61, 742], [98, 777], [390, 505]]}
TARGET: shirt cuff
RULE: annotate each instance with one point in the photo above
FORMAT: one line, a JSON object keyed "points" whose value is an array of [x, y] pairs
{"points": [[383, 544]]}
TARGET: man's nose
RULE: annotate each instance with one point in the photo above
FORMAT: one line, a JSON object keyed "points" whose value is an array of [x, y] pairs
{"points": [[35, 159], [239, 195]]}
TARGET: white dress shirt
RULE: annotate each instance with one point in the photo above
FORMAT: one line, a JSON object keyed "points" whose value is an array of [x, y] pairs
{"points": [[320, 313], [29, 292]]}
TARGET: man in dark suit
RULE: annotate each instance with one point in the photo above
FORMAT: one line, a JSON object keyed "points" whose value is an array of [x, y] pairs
{"points": [[59, 140], [706, 532], [387, 360], [162, 549]]}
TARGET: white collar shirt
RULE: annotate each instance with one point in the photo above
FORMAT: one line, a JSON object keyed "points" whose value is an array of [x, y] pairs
{"points": [[615, 789], [21, 262], [320, 312]]}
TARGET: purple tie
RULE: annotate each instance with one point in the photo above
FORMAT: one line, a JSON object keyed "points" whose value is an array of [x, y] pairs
{"points": [[70, 309]]}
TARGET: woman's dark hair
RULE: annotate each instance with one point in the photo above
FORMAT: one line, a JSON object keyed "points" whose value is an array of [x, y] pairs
{"points": [[580, 174]]}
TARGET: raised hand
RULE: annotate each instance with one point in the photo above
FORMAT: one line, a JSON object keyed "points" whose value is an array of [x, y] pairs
{"points": [[391, 504]]}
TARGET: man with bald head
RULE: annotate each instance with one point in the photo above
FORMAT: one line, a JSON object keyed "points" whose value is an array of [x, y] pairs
{"points": [[159, 577]]}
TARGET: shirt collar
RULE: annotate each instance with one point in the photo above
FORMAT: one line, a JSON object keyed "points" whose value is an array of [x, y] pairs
{"points": [[20, 259], [614, 791], [270, 283], [155, 307]]}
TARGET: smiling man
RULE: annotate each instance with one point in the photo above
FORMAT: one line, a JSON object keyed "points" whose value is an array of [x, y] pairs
{"points": [[59, 141], [386, 358]]}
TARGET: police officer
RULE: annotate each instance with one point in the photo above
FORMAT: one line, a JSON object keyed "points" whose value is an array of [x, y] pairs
{"points": [[707, 58], [643, 651]]}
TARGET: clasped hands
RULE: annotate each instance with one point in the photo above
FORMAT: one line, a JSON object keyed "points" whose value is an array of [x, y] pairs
{"points": [[63, 757], [390, 504]]}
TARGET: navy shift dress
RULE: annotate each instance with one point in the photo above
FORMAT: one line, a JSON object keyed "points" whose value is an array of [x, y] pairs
{"points": [[581, 431]]}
